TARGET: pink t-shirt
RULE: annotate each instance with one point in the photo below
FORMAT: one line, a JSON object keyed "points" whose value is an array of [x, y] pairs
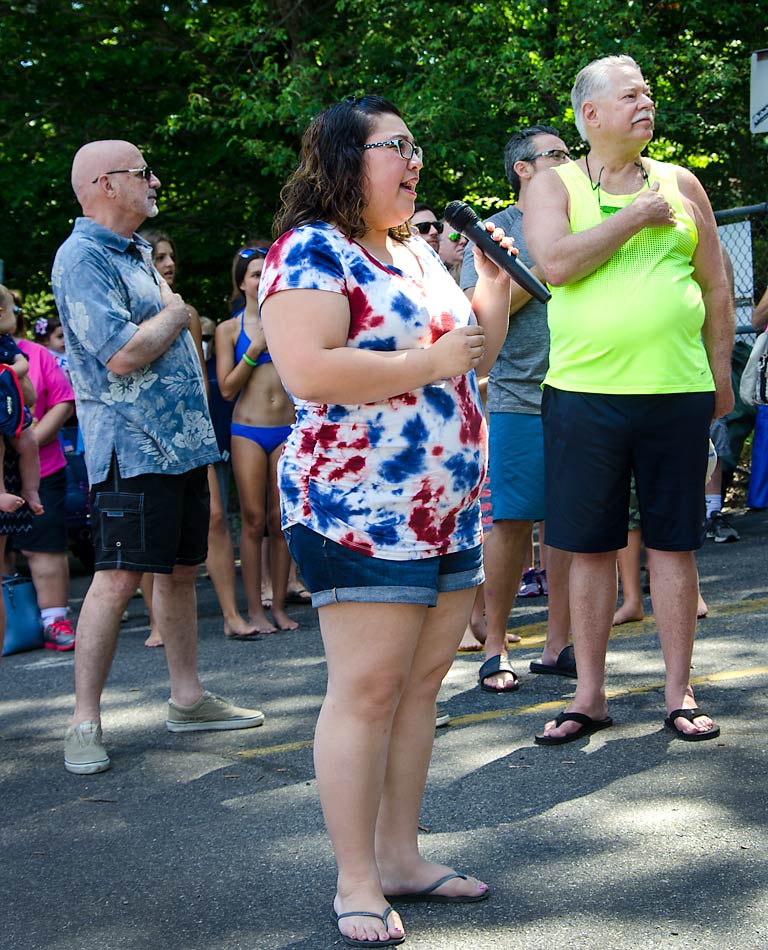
{"points": [[52, 388]]}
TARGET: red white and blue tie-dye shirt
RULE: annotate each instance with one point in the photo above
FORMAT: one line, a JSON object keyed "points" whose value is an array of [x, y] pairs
{"points": [[401, 478]]}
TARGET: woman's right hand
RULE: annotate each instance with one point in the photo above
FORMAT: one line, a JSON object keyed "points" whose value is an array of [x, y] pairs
{"points": [[458, 351], [258, 344]]}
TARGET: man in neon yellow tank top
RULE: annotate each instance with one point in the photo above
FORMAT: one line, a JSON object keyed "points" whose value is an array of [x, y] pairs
{"points": [[641, 327]]}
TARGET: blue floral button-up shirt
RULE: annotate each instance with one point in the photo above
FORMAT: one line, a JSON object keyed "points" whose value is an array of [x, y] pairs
{"points": [[155, 419]]}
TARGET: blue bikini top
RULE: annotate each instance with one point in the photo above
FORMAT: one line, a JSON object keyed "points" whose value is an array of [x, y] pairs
{"points": [[244, 341]]}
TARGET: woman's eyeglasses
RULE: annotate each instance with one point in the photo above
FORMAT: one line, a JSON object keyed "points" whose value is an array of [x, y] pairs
{"points": [[455, 237], [424, 227], [405, 149], [248, 252]]}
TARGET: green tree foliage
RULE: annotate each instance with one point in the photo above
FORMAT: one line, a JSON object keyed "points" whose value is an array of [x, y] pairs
{"points": [[218, 93]]}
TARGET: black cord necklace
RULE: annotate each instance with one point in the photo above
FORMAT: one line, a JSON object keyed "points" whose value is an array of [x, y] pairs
{"points": [[596, 185], [589, 172]]}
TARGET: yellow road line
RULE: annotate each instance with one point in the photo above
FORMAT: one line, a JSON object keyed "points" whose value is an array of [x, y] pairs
{"points": [[274, 749], [534, 634], [491, 714]]}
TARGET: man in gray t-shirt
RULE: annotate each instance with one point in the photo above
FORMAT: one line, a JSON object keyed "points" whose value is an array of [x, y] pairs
{"points": [[516, 456]]}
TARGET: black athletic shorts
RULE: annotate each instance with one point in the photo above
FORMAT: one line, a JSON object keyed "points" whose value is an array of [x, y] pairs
{"points": [[594, 442], [150, 522]]}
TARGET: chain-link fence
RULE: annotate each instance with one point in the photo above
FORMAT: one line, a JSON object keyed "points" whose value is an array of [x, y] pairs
{"points": [[744, 232]]}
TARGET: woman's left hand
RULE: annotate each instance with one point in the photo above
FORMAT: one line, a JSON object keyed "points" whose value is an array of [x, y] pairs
{"points": [[484, 266]]}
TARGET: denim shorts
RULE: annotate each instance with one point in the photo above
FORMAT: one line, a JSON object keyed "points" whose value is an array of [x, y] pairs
{"points": [[336, 574]]}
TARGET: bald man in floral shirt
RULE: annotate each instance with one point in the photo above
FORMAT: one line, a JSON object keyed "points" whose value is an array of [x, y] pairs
{"points": [[148, 441]]}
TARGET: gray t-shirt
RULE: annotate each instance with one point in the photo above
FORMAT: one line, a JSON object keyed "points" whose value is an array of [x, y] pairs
{"points": [[515, 380]]}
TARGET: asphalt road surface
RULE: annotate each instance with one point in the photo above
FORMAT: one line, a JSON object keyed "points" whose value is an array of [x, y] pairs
{"points": [[215, 841]]}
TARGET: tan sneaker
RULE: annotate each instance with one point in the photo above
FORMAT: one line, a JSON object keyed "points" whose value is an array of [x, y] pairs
{"points": [[211, 712], [84, 753]]}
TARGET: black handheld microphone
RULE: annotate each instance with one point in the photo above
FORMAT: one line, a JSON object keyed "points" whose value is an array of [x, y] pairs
{"points": [[464, 220]]}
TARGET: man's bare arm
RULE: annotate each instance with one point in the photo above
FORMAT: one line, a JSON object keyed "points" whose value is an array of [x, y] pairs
{"points": [[564, 257], [710, 274], [760, 313], [154, 336]]}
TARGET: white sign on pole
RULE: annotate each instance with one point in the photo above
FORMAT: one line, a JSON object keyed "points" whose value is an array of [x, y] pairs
{"points": [[758, 93]]}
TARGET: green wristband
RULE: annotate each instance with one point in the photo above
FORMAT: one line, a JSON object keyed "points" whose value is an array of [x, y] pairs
{"points": [[249, 361]]}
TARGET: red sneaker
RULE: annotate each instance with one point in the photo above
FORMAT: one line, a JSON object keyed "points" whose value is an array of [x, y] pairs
{"points": [[59, 635]]}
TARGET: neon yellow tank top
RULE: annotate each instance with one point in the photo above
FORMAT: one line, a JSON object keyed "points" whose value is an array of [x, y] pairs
{"points": [[634, 325]]}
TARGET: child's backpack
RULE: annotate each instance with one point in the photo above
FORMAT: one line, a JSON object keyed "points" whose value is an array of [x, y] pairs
{"points": [[11, 403]]}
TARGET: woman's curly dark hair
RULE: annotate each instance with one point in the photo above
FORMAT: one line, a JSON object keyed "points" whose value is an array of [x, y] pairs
{"points": [[329, 182]]}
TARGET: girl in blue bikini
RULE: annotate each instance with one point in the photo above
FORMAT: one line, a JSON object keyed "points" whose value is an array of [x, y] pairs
{"points": [[261, 422]]}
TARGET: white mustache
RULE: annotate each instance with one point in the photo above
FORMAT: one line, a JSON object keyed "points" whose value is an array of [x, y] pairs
{"points": [[645, 114]]}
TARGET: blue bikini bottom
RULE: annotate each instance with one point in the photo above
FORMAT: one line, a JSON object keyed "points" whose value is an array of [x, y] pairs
{"points": [[268, 437]]}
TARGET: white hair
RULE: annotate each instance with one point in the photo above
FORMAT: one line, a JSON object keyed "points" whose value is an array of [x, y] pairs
{"points": [[593, 80]]}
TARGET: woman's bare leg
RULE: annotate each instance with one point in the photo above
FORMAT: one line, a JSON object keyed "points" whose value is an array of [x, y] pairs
{"points": [[279, 556], [249, 462], [220, 563], [369, 649], [631, 589], [155, 638], [401, 866]]}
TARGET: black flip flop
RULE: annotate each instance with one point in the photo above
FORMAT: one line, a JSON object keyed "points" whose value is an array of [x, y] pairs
{"points": [[564, 666], [690, 715], [587, 723], [497, 664]]}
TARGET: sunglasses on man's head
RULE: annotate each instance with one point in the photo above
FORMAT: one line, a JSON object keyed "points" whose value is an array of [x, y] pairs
{"points": [[423, 227]]}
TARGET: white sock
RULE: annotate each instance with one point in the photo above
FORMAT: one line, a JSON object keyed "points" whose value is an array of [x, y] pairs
{"points": [[49, 614], [714, 503]]}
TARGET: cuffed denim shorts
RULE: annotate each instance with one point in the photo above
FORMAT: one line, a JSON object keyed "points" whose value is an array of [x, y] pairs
{"points": [[335, 574]]}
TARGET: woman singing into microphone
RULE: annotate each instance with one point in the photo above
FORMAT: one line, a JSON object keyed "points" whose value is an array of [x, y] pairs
{"points": [[380, 482]]}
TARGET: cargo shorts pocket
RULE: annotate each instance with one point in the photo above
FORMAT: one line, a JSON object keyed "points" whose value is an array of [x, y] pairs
{"points": [[121, 520]]}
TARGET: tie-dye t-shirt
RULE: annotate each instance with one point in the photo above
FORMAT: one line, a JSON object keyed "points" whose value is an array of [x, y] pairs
{"points": [[398, 479]]}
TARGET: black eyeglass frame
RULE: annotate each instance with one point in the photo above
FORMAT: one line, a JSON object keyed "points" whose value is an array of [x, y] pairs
{"points": [[558, 153], [144, 172], [424, 227], [399, 145]]}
